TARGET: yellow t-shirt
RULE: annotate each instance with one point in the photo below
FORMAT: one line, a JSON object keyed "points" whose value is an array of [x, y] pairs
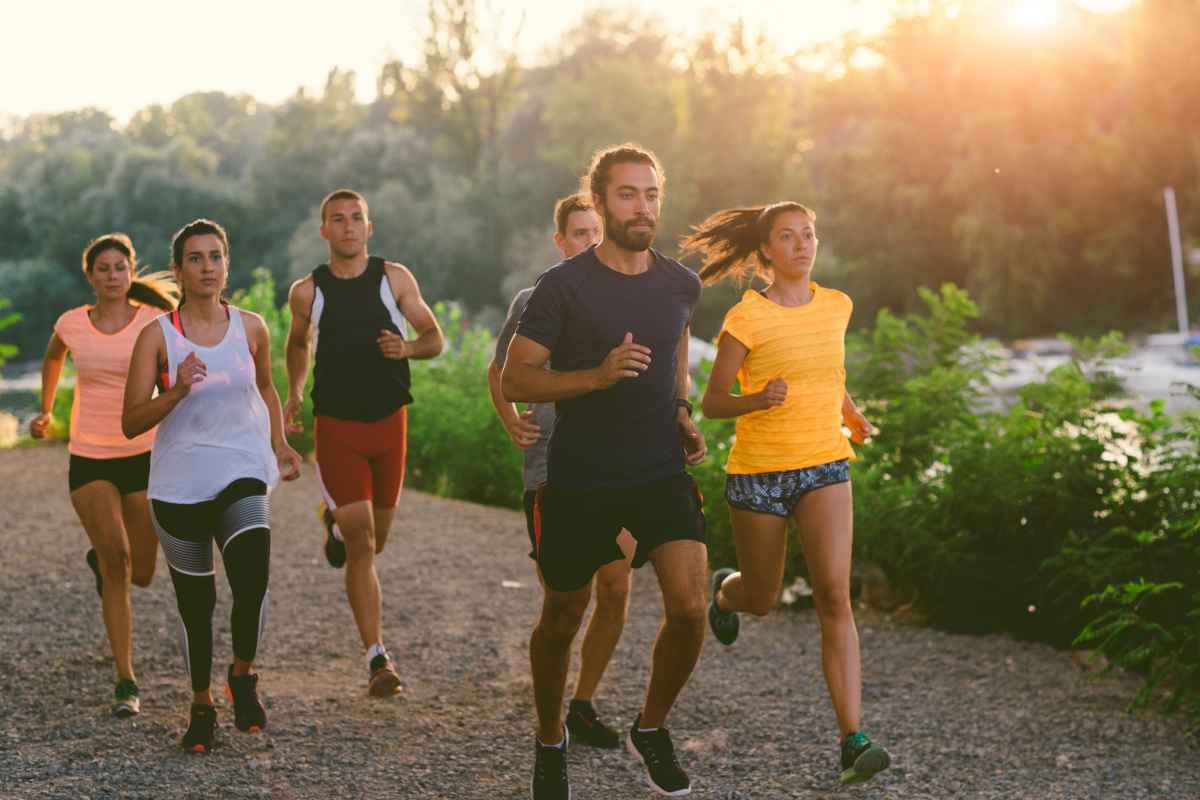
{"points": [[804, 345]]}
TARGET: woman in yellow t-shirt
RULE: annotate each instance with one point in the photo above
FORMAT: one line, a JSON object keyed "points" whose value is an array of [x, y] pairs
{"points": [[108, 473], [785, 345]]}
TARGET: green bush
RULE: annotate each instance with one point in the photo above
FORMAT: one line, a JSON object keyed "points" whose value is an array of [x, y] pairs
{"points": [[7, 319], [456, 445]]}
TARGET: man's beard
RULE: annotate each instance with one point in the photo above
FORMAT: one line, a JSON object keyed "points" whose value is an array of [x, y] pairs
{"points": [[635, 241]]}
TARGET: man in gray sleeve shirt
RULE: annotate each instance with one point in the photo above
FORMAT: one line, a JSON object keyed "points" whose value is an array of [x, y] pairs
{"points": [[577, 227]]}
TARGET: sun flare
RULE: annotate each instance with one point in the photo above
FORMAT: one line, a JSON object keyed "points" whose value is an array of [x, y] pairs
{"points": [[1033, 15]]}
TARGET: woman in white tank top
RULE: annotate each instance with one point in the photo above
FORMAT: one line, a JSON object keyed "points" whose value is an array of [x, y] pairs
{"points": [[219, 449]]}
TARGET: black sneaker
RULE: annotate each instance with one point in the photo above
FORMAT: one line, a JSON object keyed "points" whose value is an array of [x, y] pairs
{"points": [[862, 758], [384, 681], [201, 730], [248, 713], [657, 754], [725, 624], [549, 780], [94, 565], [587, 728], [335, 548], [127, 703]]}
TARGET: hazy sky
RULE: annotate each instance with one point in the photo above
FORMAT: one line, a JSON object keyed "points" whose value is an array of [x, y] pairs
{"points": [[121, 55]]}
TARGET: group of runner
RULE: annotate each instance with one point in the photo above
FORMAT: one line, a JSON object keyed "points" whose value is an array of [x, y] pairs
{"points": [[177, 429]]}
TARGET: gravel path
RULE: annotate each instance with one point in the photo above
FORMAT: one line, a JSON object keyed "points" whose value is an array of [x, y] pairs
{"points": [[971, 717]]}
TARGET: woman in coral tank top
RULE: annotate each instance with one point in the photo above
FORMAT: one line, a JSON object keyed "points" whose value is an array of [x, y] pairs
{"points": [[108, 473], [785, 345]]}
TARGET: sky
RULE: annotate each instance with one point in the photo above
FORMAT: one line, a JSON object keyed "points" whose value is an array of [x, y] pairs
{"points": [[122, 55]]}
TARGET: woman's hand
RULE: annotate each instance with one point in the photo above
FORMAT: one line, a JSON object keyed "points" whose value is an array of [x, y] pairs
{"points": [[189, 372], [773, 394], [39, 426], [860, 427], [289, 462]]}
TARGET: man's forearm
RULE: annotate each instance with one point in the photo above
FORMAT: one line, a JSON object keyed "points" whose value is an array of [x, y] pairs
{"points": [[527, 384], [427, 345], [504, 408], [297, 368]]}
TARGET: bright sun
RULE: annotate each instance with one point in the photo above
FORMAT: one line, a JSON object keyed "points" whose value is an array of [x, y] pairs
{"points": [[1033, 15]]}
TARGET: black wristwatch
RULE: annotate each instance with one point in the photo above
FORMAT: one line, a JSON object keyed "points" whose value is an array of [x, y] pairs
{"points": [[681, 402]]}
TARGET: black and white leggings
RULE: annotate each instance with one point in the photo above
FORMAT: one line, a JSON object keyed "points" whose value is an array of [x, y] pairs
{"points": [[238, 519]]}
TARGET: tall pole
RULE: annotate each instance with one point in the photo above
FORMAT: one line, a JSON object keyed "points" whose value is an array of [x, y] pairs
{"points": [[1181, 310]]}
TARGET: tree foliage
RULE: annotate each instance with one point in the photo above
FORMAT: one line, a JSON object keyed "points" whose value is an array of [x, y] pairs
{"points": [[1026, 170]]}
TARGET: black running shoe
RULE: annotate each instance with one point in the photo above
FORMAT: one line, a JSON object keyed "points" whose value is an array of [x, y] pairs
{"points": [[657, 754], [862, 758], [94, 565], [550, 772], [725, 624], [384, 681], [201, 730], [586, 727], [335, 548], [248, 713], [127, 703]]}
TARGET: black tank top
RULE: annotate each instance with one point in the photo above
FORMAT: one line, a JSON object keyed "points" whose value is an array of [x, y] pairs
{"points": [[351, 378]]}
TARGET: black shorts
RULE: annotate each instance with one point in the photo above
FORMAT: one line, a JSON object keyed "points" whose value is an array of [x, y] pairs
{"points": [[575, 530], [129, 474]]}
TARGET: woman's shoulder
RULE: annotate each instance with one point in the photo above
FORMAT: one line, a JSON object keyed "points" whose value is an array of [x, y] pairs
{"points": [[73, 316], [750, 306], [835, 296]]}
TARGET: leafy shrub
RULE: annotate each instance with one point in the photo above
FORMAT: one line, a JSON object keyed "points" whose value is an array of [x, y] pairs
{"points": [[457, 446]]}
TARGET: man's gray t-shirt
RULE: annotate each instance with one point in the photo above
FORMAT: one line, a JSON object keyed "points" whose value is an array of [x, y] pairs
{"points": [[537, 454]]}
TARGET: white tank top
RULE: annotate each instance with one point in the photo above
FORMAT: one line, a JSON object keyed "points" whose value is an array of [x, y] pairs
{"points": [[221, 431]]}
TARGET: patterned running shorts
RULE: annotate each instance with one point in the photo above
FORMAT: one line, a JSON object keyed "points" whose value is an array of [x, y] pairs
{"points": [[778, 492]]}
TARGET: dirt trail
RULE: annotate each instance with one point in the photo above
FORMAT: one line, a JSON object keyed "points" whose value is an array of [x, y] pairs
{"points": [[970, 717]]}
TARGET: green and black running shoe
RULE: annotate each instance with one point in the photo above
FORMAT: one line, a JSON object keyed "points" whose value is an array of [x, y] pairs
{"points": [[862, 758], [725, 624], [127, 703]]}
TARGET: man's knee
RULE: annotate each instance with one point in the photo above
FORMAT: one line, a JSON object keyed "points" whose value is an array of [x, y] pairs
{"points": [[612, 595], [562, 614], [687, 612], [360, 542]]}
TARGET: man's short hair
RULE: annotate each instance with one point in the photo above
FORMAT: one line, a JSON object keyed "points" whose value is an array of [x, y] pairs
{"points": [[343, 194], [567, 206]]}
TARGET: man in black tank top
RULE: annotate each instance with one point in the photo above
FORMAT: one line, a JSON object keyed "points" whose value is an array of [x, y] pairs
{"points": [[354, 309]]}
